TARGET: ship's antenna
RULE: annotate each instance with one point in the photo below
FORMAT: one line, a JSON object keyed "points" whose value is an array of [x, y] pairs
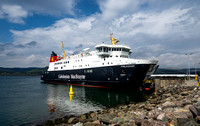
{"points": [[63, 51]]}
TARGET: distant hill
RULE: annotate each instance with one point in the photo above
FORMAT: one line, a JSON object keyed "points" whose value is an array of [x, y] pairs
{"points": [[177, 71], [31, 71], [35, 71]]}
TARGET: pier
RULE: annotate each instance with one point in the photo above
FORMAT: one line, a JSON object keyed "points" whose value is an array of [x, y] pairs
{"points": [[164, 80]]}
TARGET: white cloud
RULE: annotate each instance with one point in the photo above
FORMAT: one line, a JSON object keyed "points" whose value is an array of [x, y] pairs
{"points": [[14, 13], [166, 34], [179, 60], [49, 7], [113, 8]]}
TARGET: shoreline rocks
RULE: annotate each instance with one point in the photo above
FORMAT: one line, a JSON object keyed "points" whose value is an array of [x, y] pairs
{"points": [[169, 106]]}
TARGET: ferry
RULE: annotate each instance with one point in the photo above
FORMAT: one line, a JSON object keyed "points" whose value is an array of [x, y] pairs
{"points": [[108, 65]]}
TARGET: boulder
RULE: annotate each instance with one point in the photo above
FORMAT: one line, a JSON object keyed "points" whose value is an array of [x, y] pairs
{"points": [[184, 93], [191, 123], [161, 116], [154, 113], [168, 104], [118, 120], [93, 115], [71, 120], [83, 116], [106, 118], [78, 124]]}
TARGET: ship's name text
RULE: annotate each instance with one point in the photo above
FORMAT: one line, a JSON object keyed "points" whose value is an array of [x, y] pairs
{"points": [[71, 76]]}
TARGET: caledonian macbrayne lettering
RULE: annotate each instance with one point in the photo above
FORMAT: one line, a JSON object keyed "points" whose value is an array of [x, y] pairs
{"points": [[71, 76]]}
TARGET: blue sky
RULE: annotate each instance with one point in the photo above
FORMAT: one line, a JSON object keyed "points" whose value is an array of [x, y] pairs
{"points": [[163, 30]]}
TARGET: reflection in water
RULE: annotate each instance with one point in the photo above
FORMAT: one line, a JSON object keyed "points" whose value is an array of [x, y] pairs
{"points": [[70, 97], [86, 99]]}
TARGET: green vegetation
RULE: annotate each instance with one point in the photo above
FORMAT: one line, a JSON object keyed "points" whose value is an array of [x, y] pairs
{"points": [[177, 71], [31, 71]]}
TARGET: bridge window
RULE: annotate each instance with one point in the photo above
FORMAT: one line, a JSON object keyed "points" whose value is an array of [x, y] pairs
{"points": [[125, 50], [105, 49], [100, 49]]}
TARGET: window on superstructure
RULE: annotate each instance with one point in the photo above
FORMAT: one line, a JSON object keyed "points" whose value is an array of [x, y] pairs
{"points": [[109, 49], [125, 50], [114, 49], [105, 49], [100, 49]]}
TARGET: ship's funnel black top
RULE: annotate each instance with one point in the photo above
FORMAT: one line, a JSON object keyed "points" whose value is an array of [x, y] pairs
{"points": [[53, 53]]}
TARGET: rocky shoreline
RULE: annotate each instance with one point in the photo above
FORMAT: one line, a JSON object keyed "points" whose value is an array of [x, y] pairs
{"points": [[170, 106]]}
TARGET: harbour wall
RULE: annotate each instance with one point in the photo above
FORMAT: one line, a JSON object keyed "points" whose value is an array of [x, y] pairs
{"points": [[165, 80]]}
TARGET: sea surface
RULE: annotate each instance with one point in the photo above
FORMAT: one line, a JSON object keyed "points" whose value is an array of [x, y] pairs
{"points": [[25, 100]]}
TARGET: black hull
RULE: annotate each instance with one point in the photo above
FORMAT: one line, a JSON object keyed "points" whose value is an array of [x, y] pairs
{"points": [[108, 76]]}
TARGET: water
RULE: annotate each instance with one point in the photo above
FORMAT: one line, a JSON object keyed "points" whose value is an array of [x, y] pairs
{"points": [[25, 100]]}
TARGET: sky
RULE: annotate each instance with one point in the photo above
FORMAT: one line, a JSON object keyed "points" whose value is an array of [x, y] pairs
{"points": [[166, 30]]}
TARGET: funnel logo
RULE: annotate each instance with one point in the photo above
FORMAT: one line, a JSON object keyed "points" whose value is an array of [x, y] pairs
{"points": [[52, 59]]}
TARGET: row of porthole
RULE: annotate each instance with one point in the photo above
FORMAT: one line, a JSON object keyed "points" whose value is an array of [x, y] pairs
{"points": [[120, 56], [61, 63], [78, 60], [108, 63], [73, 66], [81, 65]]}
